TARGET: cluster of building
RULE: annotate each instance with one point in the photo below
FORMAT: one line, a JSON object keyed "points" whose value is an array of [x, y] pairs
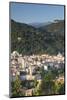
{"points": [[27, 66]]}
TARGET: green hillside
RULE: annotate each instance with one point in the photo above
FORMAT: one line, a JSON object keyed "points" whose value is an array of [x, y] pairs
{"points": [[29, 40]]}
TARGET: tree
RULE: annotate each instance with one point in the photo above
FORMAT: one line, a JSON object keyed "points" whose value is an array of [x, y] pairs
{"points": [[16, 88], [47, 86], [35, 91], [62, 89]]}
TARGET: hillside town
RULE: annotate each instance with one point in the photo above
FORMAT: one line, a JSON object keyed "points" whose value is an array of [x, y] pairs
{"points": [[29, 67]]}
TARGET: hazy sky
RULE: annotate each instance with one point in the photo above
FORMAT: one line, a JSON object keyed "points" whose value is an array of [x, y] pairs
{"points": [[28, 13]]}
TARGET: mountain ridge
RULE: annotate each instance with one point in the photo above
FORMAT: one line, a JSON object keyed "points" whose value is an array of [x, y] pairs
{"points": [[27, 39]]}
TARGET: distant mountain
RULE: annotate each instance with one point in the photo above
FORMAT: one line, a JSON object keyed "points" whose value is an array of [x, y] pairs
{"points": [[56, 26], [37, 25], [27, 39]]}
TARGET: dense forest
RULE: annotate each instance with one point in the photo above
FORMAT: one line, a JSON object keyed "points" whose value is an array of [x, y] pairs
{"points": [[27, 39]]}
